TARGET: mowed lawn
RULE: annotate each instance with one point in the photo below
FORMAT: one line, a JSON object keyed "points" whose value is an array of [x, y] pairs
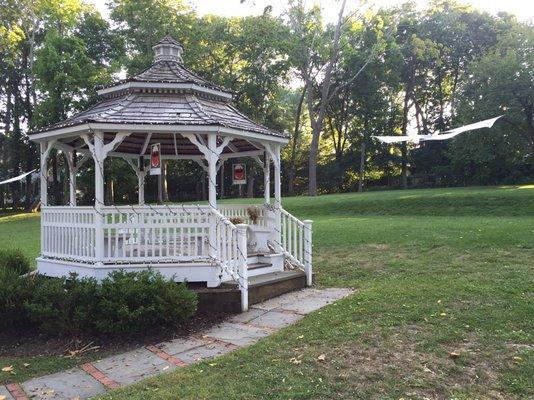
{"points": [[444, 304]]}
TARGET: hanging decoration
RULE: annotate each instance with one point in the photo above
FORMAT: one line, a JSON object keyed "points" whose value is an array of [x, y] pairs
{"points": [[155, 159], [239, 174]]}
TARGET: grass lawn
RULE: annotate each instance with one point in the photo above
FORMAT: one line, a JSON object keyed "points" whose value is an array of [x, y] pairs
{"points": [[437, 271]]}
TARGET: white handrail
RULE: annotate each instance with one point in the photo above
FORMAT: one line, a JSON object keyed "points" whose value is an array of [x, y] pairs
{"points": [[296, 242], [231, 252]]}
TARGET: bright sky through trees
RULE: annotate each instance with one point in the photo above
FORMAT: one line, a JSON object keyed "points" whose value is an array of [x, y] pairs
{"points": [[523, 9]]}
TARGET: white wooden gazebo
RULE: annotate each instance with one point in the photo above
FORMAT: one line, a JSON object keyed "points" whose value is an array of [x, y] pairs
{"points": [[192, 119]]}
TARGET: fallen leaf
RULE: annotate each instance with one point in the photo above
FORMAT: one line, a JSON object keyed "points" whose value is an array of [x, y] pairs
{"points": [[8, 368], [454, 355], [300, 337], [26, 365], [295, 361], [322, 357], [443, 314]]}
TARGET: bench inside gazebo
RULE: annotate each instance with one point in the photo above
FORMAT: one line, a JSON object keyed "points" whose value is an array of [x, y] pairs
{"points": [[191, 119]]}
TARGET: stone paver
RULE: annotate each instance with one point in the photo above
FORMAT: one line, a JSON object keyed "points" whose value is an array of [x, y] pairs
{"points": [[4, 392], [247, 316], [124, 369], [275, 319], [205, 352], [236, 333], [180, 345], [133, 366], [63, 385]]}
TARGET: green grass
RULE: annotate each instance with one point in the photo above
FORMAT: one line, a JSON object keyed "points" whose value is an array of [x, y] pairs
{"points": [[436, 271]]}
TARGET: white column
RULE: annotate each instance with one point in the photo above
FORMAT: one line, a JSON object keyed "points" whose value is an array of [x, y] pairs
{"points": [[308, 251], [141, 174], [278, 194], [99, 157], [242, 264], [211, 158], [212, 170], [267, 178], [73, 169], [44, 173]]}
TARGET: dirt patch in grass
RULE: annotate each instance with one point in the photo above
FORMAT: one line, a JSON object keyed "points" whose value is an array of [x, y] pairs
{"points": [[381, 364]]}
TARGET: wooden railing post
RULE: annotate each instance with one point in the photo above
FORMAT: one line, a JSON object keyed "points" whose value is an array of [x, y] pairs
{"points": [[242, 264], [308, 251]]}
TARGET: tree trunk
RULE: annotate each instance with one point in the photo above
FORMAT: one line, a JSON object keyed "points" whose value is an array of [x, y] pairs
{"points": [[362, 167], [296, 133], [404, 147], [250, 186], [165, 191], [317, 123]]}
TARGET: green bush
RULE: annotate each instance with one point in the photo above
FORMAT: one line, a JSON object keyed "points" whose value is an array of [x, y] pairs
{"points": [[123, 302], [134, 301], [65, 304], [14, 291], [14, 260]]}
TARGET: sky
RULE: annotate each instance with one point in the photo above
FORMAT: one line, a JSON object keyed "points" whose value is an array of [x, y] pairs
{"points": [[523, 9]]}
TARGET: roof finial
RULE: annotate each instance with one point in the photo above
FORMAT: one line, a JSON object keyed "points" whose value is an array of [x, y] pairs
{"points": [[168, 49]]}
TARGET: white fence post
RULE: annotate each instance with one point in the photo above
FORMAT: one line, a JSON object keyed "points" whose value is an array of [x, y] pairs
{"points": [[308, 251], [242, 264]]}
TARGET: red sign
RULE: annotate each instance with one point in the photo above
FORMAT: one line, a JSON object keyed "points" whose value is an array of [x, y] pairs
{"points": [[239, 174], [155, 160]]}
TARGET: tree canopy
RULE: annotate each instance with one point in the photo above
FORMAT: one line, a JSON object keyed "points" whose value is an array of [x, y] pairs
{"points": [[330, 86]]}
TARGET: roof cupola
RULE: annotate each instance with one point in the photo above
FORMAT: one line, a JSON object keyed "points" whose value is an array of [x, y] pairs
{"points": [[168, 49]]}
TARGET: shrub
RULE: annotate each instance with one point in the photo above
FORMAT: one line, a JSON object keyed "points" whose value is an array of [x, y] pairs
{"points": [[123, 302], [134, 301], [14, 260], [65, 304], [14, 291]]}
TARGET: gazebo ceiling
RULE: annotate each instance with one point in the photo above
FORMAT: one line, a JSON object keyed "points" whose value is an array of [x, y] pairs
{"points": [[165, 94], [171, 145]]}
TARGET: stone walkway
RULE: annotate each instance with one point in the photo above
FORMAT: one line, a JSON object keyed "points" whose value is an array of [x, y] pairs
{"points": [[241, 330]]}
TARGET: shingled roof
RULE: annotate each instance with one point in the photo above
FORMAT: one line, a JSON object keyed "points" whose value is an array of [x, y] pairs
{"points": [[166, 93]]}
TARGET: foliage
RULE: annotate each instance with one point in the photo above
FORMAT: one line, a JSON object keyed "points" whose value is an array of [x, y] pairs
{"points": [[254, 214], [123, 302], [14, 289], [66, 305], [14, 260], [134, 301], [395, 69]]}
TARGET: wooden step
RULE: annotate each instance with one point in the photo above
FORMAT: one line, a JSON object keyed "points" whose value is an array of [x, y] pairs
{"points": [[267, 286], [259, 265], [227, 297]]}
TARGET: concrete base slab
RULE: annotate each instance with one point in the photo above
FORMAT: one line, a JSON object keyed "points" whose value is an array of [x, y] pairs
{"points": [[133, 366], [237, 334], [70, 384], [5, 393]]}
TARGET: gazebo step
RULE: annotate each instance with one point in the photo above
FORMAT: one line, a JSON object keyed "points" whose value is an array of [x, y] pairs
{"points": [[259, 265], [227, 297]]}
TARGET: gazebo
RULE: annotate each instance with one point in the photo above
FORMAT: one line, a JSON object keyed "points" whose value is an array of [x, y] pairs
{"points": [[191, 119]]}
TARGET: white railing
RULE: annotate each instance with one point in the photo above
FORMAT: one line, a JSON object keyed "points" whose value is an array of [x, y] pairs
{"points": [[240, 210], [68, 232], [296, 241], [156, 233], [231, 252]]}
